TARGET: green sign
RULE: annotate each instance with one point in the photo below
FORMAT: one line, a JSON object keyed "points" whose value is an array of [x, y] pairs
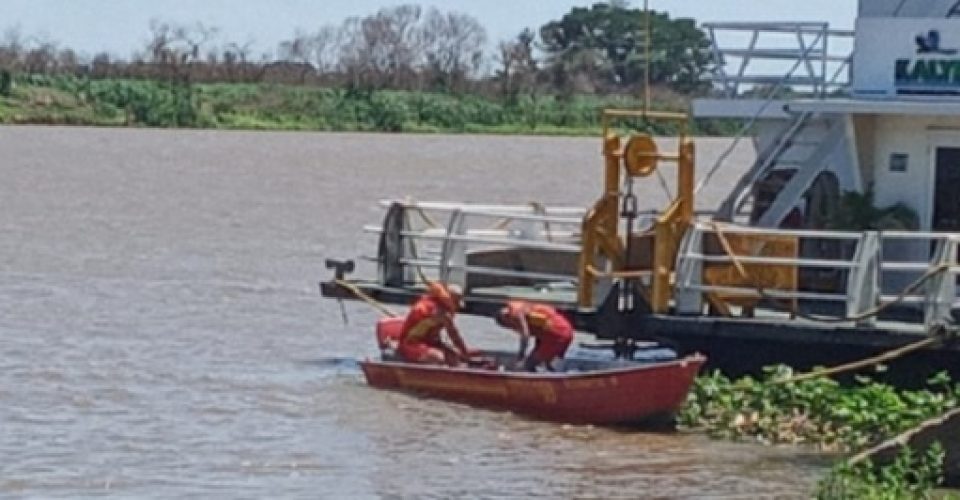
{"points": [[936, 73]]}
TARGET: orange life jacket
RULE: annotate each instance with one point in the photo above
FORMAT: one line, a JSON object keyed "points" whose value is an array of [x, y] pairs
{"points": [[424, 322], [542, 320]]}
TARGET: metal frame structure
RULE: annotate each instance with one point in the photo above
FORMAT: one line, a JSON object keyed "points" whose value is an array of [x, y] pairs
{"points": [[811, 53], [437, 247]]}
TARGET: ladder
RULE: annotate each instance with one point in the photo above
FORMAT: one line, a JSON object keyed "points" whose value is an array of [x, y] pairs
{"points": [[766, 161], [806, 171]]}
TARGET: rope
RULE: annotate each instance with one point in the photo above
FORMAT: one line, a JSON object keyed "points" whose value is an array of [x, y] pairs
{"points": [[502, 223], [423, 215], [825, 319], [937, 337], [366, 298], [538, 209]]}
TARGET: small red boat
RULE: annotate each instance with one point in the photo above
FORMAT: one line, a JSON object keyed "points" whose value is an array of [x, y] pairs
{"points": [[582, 391]]}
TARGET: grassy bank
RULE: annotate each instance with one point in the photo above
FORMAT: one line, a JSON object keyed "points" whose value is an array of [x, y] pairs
{"points": [[114, 102]]}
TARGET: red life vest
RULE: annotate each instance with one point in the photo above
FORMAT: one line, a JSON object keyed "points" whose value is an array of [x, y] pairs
{"points": [[424, 322], [543, 321]]}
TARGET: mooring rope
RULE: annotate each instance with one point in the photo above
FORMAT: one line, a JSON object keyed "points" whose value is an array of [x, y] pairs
{"points": [[939, 335], [538, 209], [366, 298], [410, 203]]}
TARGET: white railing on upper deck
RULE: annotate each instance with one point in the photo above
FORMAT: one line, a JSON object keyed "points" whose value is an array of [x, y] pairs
{"points": [[801, 56]]}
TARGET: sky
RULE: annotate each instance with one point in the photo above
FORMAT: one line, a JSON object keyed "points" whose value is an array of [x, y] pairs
{"points": [[121, 27]]}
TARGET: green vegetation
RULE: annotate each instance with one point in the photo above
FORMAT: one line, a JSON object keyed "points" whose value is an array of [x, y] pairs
{"points": [[74, 100], [858, 212], [404, 68], [832, 417], [911, 475]]}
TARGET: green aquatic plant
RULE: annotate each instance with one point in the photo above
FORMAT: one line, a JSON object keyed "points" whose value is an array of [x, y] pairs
{"points": [[817, 411], [833, 417], [911, 475]]}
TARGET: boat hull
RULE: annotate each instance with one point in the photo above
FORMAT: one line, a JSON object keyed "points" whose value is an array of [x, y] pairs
{"points": [[623, 395]]}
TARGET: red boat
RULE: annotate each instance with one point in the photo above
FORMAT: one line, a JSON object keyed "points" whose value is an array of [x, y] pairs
{"points": [[582, 391]]}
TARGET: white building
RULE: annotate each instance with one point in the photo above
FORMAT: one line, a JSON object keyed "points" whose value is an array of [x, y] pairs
{"points": [[885, 114]]}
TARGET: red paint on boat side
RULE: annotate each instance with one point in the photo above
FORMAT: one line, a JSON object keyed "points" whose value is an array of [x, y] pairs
{"points": [[614, 396]]}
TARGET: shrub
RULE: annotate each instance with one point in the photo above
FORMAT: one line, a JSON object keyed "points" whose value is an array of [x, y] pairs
{"points": [[388, 112], [6, 83]]}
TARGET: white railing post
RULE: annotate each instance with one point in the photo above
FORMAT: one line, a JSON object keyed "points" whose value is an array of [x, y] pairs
{"points": [[687, 295], [863, 284], [825, 37], [941, 288], [453, 252]]}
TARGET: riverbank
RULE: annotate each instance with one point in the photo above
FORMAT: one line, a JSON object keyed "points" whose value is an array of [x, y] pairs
{"points": [[69, 100]]}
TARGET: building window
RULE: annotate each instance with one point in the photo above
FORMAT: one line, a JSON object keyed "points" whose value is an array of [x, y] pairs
{"points": [[898, 162]]}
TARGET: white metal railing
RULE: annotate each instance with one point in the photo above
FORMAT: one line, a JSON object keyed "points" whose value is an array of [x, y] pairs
{"points": [[871, 268], [751, 54], [434, 241], [861, 271]]}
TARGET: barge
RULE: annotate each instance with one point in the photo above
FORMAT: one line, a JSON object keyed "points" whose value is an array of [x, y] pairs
{"points": [[845, 124]]}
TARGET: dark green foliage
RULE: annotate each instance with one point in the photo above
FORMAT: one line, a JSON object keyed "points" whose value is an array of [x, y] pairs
{"points": [[606, 43], [153, 104], [6, 83], [857, 212], [823, 413], [818, 411], [261, 106], [388, 112], [911, 475]]}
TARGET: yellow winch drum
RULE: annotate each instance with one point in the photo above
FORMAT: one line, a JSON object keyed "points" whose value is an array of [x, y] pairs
{"points": [[640, 156]]}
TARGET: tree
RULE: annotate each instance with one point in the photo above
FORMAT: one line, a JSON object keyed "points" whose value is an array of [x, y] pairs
{"points": [[236, 61], [453, 44], [11, 49], [607, 43], [41, 58], [518, 68], [173, 48], [299, 52], [382, 50], [326, 49]]}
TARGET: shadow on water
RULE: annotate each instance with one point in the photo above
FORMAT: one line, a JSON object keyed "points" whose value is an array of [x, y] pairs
{"points": [[333, 365]]}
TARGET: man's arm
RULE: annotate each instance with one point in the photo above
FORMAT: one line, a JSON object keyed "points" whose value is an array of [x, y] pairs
{"points": [[524, 333], [524, 341], [455, 337]]}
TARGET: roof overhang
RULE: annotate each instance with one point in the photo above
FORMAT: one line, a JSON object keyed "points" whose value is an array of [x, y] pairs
{"points": [[706, 107], [914, 107]]}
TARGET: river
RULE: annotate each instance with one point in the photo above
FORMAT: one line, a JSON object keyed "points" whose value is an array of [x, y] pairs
{"points": [[162, 335]]}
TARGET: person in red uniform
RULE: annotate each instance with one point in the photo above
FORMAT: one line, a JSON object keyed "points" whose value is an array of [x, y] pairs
{"points": [[420, 337], [552, 331]]}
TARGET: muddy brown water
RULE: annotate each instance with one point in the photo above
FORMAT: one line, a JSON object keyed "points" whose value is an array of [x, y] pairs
{"points": [[161, 333]]}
